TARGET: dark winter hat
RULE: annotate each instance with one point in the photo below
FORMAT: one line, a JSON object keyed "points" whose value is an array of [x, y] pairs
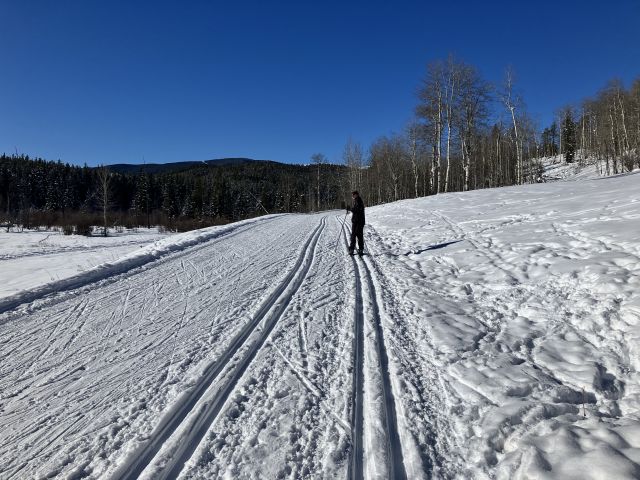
{"points": [[355, 192]]}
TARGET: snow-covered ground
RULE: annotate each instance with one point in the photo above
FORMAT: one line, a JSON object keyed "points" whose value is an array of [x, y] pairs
{"points": [[32, 258], [488, 334], [523, 304], [556, 168]]}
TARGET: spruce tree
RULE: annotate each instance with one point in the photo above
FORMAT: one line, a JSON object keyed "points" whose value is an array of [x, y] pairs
{"points": [[553, 134], [142, 198], [569, 136]]}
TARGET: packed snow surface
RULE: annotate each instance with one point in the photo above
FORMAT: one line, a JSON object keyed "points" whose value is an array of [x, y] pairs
{"points": [[489, 334]]}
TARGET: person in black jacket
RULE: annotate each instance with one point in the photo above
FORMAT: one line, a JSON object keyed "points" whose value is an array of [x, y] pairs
{"points": [[357, 223]]}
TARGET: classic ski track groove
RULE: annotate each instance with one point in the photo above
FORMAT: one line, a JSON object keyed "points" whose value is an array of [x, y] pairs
{"points": [[276, 303], [393, 444], [357, 416]]}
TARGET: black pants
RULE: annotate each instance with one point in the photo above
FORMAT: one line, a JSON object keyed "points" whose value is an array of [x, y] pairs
{"points": [[357, 232]]}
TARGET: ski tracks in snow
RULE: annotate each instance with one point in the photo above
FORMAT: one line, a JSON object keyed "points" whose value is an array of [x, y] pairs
{"points": [[50, 293], [181, 431], [376, 446], [94, 368], [221, 361]]}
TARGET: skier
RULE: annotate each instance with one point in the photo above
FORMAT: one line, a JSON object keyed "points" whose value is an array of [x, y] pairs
{"points": [[357, 223]]}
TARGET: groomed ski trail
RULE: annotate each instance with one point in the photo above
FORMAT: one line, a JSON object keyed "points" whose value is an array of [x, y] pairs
{"points": [[198, 410], [82, 386], [129, 265], [357, 415]]}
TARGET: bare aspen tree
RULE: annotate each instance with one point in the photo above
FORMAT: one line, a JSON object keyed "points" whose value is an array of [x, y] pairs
{"points": [[378, 167], [603, 149], [353, 159], [103, 194], [619, 100], [511, 103], [451, 85], [430, 109], [392, 161], [318, 159], [377, 156], [435, 165], [583, 147], [395, 158], [560, 146], [413, 138], [498, 176], [612, 127], [530, 147], [472, 110], [635, 99]]}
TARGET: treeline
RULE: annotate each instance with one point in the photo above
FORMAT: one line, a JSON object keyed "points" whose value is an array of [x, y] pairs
{"points": [[35, 192], [469, 134], [604, 129]]}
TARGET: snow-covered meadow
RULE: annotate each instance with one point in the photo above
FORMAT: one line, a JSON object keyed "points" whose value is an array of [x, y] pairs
{"points": [[489, 334]]}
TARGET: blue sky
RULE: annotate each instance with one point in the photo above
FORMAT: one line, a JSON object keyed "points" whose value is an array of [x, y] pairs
{"points": [[122, 82]]}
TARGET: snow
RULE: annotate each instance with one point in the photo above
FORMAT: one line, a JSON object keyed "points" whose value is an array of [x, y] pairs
{"points": [[525, 302], [556, 168], [488, 334], [69, 267], [35, 257]]}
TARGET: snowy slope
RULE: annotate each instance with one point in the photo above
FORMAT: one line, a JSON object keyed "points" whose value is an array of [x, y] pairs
{"points": [[556, 168], [522, 303], [462, 347]]}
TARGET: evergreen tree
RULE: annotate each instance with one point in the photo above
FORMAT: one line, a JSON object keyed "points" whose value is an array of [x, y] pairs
{"points": [[569, 136], [549, 145], [553, 135], [142, 198]]}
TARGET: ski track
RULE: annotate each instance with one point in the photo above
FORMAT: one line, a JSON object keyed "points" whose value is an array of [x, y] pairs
{"points": [[290, 412], [85, 353], [370, 313], [58, 290], [205, 411], [356, 470]]}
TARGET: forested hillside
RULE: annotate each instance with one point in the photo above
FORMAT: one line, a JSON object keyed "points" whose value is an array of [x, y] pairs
{"points": [[35, 192]]}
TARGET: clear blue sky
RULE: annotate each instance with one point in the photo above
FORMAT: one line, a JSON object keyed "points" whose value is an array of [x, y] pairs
{"points": [[122, 81]]}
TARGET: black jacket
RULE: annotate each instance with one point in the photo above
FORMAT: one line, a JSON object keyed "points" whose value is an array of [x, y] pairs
{"points": [[357, 209]]}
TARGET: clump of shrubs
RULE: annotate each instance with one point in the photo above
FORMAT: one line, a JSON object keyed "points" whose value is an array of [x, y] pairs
{"points": [[89, 224], [79, 223]]}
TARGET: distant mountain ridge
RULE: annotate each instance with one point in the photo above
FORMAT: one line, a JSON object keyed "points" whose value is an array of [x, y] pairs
{"points": [[172, 167]]}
